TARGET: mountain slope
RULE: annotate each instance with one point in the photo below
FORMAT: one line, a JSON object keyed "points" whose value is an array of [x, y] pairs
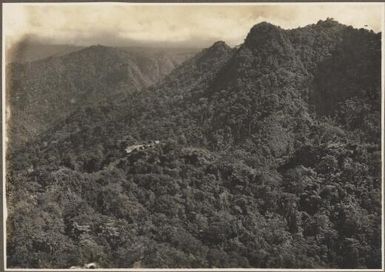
{"points": [[269, 156], [28, 51], [45, 92]]}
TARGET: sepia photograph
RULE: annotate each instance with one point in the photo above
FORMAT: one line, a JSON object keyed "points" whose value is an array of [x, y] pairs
{"points": [[190, 136]]}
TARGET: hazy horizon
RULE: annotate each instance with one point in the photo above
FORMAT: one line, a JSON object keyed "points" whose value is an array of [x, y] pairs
{"points": [[188, 26]]}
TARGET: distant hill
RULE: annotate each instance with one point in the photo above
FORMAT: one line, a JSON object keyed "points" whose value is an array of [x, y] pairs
{"points": [[269, 156], [27, 51], [44, 92]]}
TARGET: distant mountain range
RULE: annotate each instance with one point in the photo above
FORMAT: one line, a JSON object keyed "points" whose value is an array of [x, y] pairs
{"points": [[27, 51], [269, 155], [46, 91]]}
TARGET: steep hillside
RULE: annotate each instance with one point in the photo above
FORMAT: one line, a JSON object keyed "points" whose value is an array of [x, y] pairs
{"points": [[269, 157], [45, 92]]}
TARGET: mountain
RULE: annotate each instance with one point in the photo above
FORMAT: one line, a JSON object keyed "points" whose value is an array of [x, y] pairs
{"points": [[29, 50], [269, 156], [45, 92]]}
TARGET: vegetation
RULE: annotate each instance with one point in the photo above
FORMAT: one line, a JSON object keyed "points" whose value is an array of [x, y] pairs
{"points": [[43, 93], [269, 157]]}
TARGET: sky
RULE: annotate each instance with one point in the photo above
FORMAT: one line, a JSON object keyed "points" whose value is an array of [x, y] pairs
{"points": [[188, 25]]}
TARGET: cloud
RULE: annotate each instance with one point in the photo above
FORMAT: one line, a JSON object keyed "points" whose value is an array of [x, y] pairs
{"points": [[194, 25]]}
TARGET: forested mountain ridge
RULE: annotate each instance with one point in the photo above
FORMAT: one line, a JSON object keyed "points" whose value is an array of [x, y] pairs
{"points": [[45, 92], [28, 51], [269, 157]]}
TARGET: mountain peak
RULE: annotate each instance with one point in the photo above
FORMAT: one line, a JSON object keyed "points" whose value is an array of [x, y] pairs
{"points": [[263, 34], [219, 46], [329, 22], [97, 49], [264, 26]]}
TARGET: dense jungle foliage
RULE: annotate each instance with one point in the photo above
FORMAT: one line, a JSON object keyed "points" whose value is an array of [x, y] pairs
{"points": [[269, 157]]}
